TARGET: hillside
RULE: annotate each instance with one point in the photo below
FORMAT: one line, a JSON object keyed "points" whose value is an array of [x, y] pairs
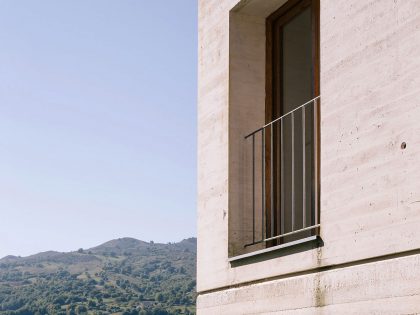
{"points": [[122, 276]]}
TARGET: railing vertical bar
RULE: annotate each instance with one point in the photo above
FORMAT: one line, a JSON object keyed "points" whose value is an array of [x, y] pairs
{"points": [[271, 180], [263, 183], [282, 194], [253, 188], [316, 165], [303, 168], [293, 170]]}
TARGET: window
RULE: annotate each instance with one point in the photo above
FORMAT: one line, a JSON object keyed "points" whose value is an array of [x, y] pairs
{"points": [[288, 158]]}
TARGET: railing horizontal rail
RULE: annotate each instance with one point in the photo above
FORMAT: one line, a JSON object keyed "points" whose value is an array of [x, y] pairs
{"points": [[284, 235], [281, 117]]}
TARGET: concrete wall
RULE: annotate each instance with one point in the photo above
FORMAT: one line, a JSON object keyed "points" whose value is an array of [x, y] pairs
{"points": [[370, 187], [386, 287]]}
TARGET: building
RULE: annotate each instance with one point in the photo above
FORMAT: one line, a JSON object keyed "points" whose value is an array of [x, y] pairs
{"points": [[309, 157]]}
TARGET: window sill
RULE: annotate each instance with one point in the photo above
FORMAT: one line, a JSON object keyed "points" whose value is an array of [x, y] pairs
{"points": [[260, 252]]}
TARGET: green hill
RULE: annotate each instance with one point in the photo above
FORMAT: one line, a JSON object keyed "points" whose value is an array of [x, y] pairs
{"points": [[122, 276]]}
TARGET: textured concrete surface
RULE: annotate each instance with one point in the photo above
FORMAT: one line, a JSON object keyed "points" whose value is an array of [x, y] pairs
{"points": [[370, 187], [385, 287]]}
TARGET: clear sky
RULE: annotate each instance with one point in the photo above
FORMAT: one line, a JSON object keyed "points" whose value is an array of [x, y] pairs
{"points": [[97, 122]]}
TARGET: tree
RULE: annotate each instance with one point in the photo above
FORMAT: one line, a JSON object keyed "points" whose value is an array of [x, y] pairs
{"points": [[159, 297]]}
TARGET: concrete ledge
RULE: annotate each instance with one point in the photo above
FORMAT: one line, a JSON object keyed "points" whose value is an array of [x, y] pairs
{"points": [[314, 238]]}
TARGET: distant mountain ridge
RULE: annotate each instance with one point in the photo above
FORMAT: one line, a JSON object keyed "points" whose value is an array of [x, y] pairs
{"points": [[121, 276], [116, 245]]}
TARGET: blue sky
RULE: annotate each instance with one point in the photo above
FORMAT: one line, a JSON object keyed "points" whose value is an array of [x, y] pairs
{"points": [[97, 122]]}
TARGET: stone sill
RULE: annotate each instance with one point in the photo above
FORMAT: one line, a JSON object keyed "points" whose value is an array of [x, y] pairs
{"points": [[234, 259]]}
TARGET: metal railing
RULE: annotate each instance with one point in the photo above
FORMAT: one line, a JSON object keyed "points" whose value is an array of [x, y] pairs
{"points": [[275, 170]]}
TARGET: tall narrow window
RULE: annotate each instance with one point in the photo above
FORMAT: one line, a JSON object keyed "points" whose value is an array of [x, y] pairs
{"points": [[292, 85], [284, 152]]}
